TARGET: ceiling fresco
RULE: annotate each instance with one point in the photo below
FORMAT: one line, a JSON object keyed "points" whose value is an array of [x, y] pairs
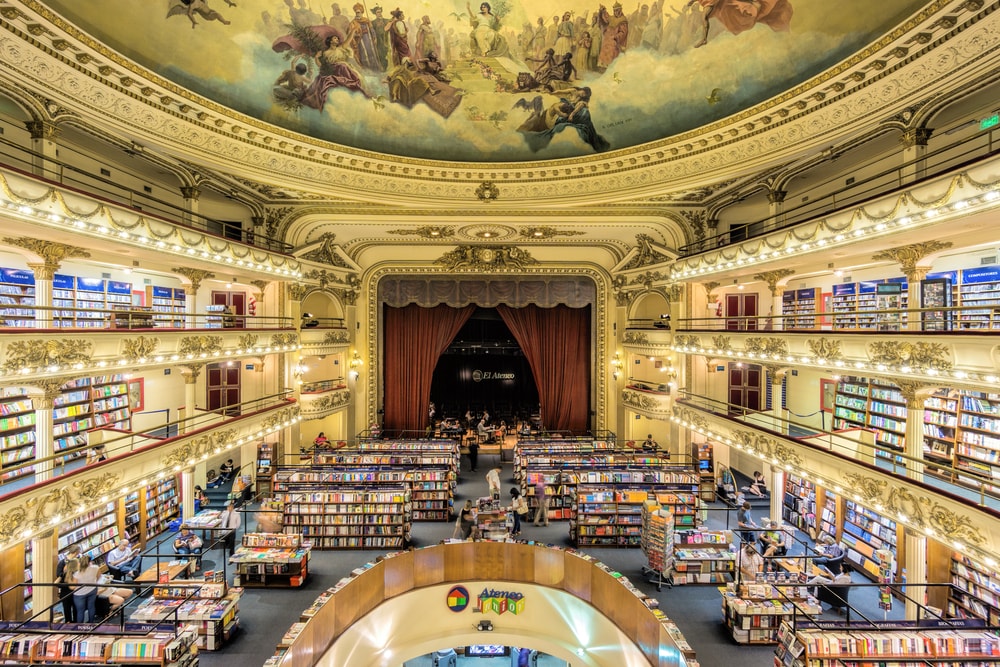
{"points": [[506, 81]]}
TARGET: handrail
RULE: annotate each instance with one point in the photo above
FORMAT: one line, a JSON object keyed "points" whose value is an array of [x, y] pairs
{"points": [[930, 164], [28, 317], [407, 572], [900, 464], [127, 443], [26, 162]]}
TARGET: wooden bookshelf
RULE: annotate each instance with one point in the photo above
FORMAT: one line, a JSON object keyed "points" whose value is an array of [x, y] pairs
{"points": [[165, 649], [798, 505], [754, 613], [863, 532], [17, 433], [17, 296], [271, 560], [975, 591]]}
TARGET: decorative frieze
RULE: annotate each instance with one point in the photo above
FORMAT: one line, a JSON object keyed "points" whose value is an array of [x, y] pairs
{"points": [[914, 355], [142, 347], [486, 258], [47, 353], [767, 346], [203, 344], [635, 338], [824, 348]]}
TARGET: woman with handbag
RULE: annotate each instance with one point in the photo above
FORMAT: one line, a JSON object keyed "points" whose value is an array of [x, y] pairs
{"points": [[519, 508]]}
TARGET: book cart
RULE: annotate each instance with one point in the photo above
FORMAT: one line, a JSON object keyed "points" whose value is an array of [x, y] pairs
{"points": [[703, 557], [209, 608], [753, 613], [658, 543], [163, 649], [945, 643], [271, 560]]}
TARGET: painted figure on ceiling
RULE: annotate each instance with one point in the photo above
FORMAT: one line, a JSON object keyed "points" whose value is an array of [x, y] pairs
{"points": [[381, 36], [362, 39], [738, 16], [200, 7], [336, 69], [427, 41], [615, 38], [398, 37], [486, 39]]}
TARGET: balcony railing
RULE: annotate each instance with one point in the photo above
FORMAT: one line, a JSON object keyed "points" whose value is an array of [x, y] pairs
{"points": [[973, 487], [320, 386], [887, 173], [17, 476], [14, 317]]}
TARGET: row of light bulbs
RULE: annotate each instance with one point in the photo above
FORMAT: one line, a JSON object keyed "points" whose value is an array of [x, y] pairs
{"points": [[276, 265], [28, 533], [838, 239], [928, 531], [148, 361], [839, 364]]}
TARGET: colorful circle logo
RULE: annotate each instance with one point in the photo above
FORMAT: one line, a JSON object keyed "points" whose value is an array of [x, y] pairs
{"points": [[458, 598]]}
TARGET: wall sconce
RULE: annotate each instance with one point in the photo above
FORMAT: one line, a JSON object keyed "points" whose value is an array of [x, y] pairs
{"points": [[616, 366], [356, 363], [298, 371]]}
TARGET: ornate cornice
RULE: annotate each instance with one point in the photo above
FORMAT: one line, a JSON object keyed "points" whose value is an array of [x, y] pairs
{"points": [[772, 278], [909, 256], [47, 353], [544, 232], [193, 450], [426, 231], [768, 346], [917, 356], [823, 348], [337, 337], [193, 276], [52, 253], [66, 499], [486, 258], [325, 404], [142, 347], [635, 338], [201, 344], [326, 253], [687, 340], [284, 340]]}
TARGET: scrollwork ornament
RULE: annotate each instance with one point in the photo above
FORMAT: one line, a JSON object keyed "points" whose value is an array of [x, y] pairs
{"points": [[766, 346], [694, 419], [868, 489], [249, 341], [336, 337], [13, 523], [283, 339], [639, 401], [296, 290], [142, 347], [486, 258], [203, 344], [46, 353], [722, 343], [916, 355], [824, 348], [686, 340], [635, 338]]}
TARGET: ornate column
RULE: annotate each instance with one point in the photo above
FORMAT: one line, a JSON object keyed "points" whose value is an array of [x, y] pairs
{"points": [[43, 144], [191, 373], [771, 278], [775, 201], [914, 141], [915, 565], [194, 278], [777, 493], [909, 256], [708, 312], [913, 445], [44, 552], [191, 193], [52, 255], [43, 395], [295, 293], [259, 309], [187, 494]]}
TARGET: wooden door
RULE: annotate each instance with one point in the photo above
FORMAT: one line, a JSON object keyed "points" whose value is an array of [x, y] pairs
{"points": [[223, 386], [744, 387], [741, 309]]}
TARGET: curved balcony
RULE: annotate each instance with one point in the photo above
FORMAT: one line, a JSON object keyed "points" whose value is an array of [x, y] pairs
{"points": [[326, 336], [645, 398], [324, 397]]}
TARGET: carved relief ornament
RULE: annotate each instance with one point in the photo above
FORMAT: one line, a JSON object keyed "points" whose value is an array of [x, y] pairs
{"points": [[635, 338], [486, 258], [45, 353], [142, 347], [203, 344], [767, 346], [916, 355]]}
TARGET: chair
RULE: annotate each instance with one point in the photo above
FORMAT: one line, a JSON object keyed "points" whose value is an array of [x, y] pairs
{"points": [[835, 596]]}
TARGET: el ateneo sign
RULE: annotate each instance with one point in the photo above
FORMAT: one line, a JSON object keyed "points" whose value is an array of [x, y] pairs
{"points": [[486, 376]]}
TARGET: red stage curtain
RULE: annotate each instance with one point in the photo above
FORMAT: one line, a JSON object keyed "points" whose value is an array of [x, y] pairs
{"points": [[415, 338], [556, 342]]}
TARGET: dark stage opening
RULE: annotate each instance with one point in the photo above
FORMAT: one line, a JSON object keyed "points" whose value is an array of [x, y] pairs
{"points": [[484, 369]]}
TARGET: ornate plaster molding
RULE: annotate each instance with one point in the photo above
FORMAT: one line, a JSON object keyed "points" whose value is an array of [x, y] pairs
{"points": [[193, 276], [915, 355], [824, 348], [284, 339], [248, 341], [142, 347], [486, 258], [635, 338], [909, 256], [62, 500], [337, 337], [190, 452], [426, 231], [53, 254], [202, 344], [46, 353], [767, 346]]}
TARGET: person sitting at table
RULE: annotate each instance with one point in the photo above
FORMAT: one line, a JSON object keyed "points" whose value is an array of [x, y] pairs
{"points": [[187, 544], [321, 440], [124, 561], [484, 430], [115, 596], [650, 445], [828, 579], [201, 501]]}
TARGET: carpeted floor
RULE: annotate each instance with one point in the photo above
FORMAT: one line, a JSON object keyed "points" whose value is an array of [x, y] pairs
{"points": [[265, 614]]}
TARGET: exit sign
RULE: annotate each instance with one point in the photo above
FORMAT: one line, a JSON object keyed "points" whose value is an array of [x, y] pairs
{"points": [[991, 121]]}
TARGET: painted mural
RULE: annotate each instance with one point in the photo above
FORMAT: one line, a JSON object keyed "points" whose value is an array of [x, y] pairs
{"points": [[505, 80]]}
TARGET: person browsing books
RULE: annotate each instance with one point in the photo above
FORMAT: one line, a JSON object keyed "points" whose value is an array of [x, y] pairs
{"points": [[231, 520]]}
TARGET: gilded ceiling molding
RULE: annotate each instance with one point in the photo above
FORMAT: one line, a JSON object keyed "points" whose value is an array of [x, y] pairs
{"points": [[647, 279], [646, 254], [427, 231], [337, 337], [544, 232], [635, 338], [37, 354], [281, 417], [772, 278], [888, 72], [188, 453], [297, 290], [917, 356], [909, 256], [487, 192], [50, 391], [193, 276], [623, 296], [721, 343], [920, 511], [486, 258], [689, 417], [201, 344], [767, 346], [322, 276], [261, 285], [284, 339], [710, 287], [824, 348], [136, 349], [52, 253], [767, 447], [326, 253], [325, 403], [675, 293], [914, 393], [248, 341]]}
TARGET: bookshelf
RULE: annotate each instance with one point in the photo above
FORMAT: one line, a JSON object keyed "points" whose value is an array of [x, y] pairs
{"points": [[208, 608], [863, 532], [373, 516], [271, 560], [132, 317], [162, 505], [658, 542], [887, 417], [754, 613], [887, 646], [979, 294], [168, 304], [977, 445], [431, 494], [703, 557], [94, 532], [17, 295], [265, 467], [799, 308], [854, 303], [940, 427], [799, 503], [706, 470], [975, 591], [17, 433], [162, 648], [829, 522], [72, 417], [130, 511], [560, 489], [109, 394]]}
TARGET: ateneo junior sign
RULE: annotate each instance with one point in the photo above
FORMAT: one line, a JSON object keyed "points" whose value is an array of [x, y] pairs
{"points": [[479, 376]]}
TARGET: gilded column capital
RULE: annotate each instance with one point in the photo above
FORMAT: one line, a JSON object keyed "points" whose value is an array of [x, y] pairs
{"points": [[191, 372], [909, 256], [43, 393], [190, 192], [51, 253], [194, 277], [42, 129], [772, 278], [260, 284], [916, 136], [296, 290]]}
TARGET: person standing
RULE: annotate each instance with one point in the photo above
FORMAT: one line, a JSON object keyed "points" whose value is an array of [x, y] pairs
{"points": [[745, 522], [467, 520], [542, 513], [473, 454], [751, 562], [231, 521], [518, 508], [64, 579], [86, 577], [493, 479]]}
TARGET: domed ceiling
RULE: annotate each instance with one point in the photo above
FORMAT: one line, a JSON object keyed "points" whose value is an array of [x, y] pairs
{"points": [[508, 81]]}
